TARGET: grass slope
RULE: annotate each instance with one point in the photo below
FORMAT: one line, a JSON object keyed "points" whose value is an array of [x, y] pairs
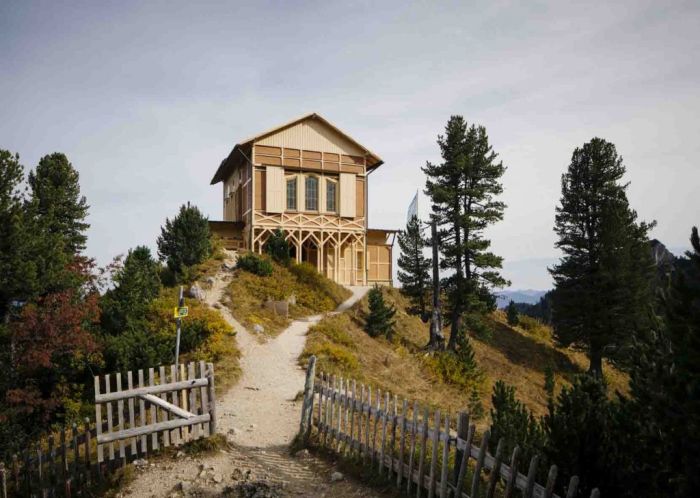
{"points": [[313, 292], [517, 356]]}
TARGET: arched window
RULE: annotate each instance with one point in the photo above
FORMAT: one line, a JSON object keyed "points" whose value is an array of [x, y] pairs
{"points": [[311, 191]]}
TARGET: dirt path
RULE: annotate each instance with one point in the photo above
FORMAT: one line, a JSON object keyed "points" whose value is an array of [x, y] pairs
{"points": [[260, 418]]}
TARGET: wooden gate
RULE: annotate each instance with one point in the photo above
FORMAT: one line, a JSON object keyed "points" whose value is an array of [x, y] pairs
{"points": [[170, 407]]}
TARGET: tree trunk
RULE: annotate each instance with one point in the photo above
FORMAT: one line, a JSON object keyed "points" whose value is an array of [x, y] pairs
{"points": [[595, 367], [455, 330]]}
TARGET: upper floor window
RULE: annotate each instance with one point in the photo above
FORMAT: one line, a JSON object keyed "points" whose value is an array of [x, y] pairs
{"points": [[292, 193], [331, 196], [311, 191]]}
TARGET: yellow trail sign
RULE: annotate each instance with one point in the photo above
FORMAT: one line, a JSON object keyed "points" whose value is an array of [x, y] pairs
{"points": [[180, 312]]}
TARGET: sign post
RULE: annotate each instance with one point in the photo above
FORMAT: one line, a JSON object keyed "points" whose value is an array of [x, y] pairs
{"points": [[179, 314]]}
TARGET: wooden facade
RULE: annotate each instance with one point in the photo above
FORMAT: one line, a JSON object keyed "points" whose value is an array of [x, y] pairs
{"points": [[308, 179]]}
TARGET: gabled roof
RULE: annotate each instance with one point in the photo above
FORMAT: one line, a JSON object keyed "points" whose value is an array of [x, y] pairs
{"points": [[373, 160]]}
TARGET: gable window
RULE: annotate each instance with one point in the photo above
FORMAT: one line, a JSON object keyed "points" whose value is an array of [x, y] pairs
{"points": [[331, 196], [311, 193], [292, 193]]}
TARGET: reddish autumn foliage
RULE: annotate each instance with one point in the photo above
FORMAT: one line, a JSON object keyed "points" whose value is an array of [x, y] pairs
{"points": [[52, 346]]}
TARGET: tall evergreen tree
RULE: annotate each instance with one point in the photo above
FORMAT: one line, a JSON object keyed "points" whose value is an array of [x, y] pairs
{"points": [[184, 241], [463, 190], [665, 385], [17, 269], [413, 266], [56, 201], [602, 283]]}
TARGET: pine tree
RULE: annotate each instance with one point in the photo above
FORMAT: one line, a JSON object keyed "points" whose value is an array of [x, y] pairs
{"points": [[602, 283], [413, 266], [18, 279], [380, 320], [136, 284], [184, 241], [462, 190], [665, 385], [512, 314], [57, 203]]}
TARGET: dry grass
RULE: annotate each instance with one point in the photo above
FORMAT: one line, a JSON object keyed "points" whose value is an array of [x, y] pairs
{"points": [[314, 294], [513, 355]]}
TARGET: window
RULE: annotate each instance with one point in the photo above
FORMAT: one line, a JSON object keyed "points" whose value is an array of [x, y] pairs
{"points": [[292, 193], [331, 196], [311, 193]]}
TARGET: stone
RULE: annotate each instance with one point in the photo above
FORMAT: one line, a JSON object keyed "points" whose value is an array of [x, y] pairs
{"points": [[232, 431], [337, 476], [217, 306], [258, 329], [229, 266], [196, 292], [180, 454], [292, 300], [210, 280], [140, 462], [202, 474], [183, 486], [218, 478]]}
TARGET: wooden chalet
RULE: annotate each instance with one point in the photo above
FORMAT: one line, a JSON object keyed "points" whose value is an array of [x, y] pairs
{"points": [[308, 179]]}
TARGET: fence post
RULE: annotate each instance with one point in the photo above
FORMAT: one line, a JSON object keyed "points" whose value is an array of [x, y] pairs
{"points": [[212, 398], [3, 481], [307, 405]]}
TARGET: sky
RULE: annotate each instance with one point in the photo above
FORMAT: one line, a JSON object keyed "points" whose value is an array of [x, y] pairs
{"points": [[147, 98]]}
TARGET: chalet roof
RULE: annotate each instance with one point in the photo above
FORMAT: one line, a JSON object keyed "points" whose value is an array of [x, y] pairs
{"points": [[237, 153]]}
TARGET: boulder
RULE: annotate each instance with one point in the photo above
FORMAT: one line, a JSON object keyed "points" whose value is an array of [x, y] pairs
{"points": [[196, 292], [337, 476], [258, 329]]}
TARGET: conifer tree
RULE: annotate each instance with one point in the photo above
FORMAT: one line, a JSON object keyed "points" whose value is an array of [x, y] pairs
{"points": [[17, 271], [57, 203], [602, 283], [665, 384], [184, 241], [512, 314], [380, 320], [463, 190], [136, 284], [413, 266]]}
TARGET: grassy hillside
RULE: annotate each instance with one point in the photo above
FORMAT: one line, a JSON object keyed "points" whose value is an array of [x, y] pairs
{"points": [[517, 356], [313, 292]]}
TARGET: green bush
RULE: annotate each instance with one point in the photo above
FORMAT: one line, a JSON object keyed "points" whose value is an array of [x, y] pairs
{"points": [[458, 367], [512, 421], [255, 264], [278, 247]]}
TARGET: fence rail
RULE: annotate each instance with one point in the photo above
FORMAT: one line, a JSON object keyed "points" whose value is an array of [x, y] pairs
{"points": [[175, 406], [419, 451]]}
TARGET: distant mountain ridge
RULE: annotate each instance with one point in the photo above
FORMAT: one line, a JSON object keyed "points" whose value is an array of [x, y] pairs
{"points": [[528, 296]]}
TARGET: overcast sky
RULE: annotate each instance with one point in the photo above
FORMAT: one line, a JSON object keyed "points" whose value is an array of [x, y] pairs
{"points": [[146, 98]]}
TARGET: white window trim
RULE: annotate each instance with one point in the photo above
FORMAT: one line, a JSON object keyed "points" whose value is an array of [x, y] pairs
{"points": [[288, 178]]}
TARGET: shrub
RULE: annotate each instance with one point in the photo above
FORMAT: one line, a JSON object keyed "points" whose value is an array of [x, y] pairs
{"points": [[535, 327], [255, 264], [512, 421], [512, 314], [458, 367], [335, 329], [278, 247], [307, 275], [185, 241], [380, 319], [334, 359]]}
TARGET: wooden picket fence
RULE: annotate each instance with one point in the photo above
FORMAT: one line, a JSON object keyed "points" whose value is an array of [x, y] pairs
{"points": [[420, 453], [172, 406]]}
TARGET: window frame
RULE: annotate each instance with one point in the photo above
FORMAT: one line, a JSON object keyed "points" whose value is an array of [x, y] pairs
{"points": [[293, 180], [315, 178], [332, 182]]}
